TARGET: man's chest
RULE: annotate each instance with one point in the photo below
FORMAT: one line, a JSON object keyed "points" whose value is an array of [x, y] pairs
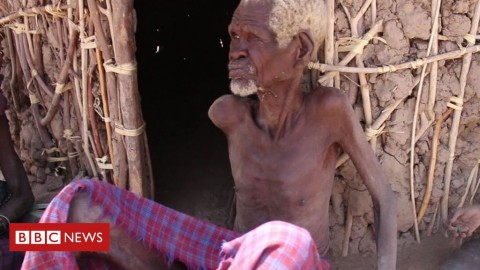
{"points": [[255, 154]]}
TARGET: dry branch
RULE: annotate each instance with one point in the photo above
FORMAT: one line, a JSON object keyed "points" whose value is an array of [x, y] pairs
{"points": [[414, 124], [433, 161], [62, 80], [123, 24], [329, 37], [391, 68]]}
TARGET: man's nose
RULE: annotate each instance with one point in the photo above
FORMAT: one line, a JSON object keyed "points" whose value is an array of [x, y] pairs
{"points": [[237, 52]]}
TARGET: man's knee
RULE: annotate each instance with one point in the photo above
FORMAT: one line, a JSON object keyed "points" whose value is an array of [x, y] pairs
{"points": [[82, 210], [279, 231]]}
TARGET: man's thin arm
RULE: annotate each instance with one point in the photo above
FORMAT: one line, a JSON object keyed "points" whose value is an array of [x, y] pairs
{"points": [[353, 141]]}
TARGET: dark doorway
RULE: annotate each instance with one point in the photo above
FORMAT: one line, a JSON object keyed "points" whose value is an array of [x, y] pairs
{"points": [[182, 55]]}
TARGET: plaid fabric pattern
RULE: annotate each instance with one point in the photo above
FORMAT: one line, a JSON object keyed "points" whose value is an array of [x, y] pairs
{"points": [[180, 237], [177, 236], [274, 245]]}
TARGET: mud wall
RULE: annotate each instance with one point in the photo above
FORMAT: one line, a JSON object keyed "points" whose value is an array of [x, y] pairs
{"points": [[407, 27]]}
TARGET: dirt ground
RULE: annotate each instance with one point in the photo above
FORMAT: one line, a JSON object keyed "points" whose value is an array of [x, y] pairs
{"points": [[427, 255]]}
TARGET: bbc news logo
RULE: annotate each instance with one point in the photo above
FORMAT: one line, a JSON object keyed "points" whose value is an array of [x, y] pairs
{"points": [[59, 237]]}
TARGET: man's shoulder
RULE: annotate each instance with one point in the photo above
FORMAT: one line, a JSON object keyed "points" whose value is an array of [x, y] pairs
{"points": [[228, 110], [328, 99]]}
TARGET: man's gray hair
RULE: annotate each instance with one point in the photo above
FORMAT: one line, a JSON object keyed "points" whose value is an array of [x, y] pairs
{"points": [[289, 17]]}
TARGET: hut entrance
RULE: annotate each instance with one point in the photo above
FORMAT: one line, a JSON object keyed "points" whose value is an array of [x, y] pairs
{"points": [[182, 51]]}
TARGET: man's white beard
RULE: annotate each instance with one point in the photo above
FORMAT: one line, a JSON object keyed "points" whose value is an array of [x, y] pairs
{"points": [[241, 89]]}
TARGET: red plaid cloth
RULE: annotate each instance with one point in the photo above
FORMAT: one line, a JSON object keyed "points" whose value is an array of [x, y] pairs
{"points": [[274, 245], [175, 235]]}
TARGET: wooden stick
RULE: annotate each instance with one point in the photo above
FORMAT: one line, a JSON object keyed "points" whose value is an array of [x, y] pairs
{"points": [[373, 7], [123, 19], [13, 79], [414, 126], [120, 163], [68, 131], [348, 233], [29, 38], [473, 174], [46, 89], [432, 93], [151, 195], [474, 191], [432, 223], [330, 38], [62, 79], [97, 144], [84, 85], [456, 115], [106, 114], [392, 68], [60, 38], [474, 184], [364, 86], [433, 162], [38, 55], [42, 132]]}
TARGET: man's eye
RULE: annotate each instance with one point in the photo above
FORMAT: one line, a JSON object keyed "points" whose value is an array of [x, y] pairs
{"points": [[235, 36]]}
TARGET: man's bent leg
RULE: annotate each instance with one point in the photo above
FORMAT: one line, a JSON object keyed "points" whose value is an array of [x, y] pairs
{"points": [[274, 245], [163, 231], [125, 252]]}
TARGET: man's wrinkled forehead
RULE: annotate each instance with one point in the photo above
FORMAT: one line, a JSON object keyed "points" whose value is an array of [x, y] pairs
{"points": [[252, 14]]}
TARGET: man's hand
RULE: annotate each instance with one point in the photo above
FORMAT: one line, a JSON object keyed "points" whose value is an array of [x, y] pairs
{"points": [[465, 221]]}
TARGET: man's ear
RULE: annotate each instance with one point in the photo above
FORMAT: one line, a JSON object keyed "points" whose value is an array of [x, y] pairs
{"points": [[306, 47]]}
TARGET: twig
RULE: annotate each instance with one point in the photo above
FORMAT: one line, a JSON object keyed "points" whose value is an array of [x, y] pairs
{"points": [[414, 125], [42, 132], [38, 57], [106, 114], [330, 38], [348, 233], [83, 56], [432, 223], [46, 89], [62, 79], [473, 175], [392, 68], [120, 163], [433, 161], [13, 60], [434, 67], [364, 86]]}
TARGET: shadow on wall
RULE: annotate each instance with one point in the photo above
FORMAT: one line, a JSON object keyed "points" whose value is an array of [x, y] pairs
{"points": [[182, 51]]}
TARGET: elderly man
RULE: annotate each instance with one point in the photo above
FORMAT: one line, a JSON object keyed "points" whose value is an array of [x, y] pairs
{"points": [[16, 197], [283, 148]]}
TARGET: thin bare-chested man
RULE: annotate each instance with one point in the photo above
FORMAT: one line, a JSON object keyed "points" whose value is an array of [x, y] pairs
{"points": [[283, 146]]}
